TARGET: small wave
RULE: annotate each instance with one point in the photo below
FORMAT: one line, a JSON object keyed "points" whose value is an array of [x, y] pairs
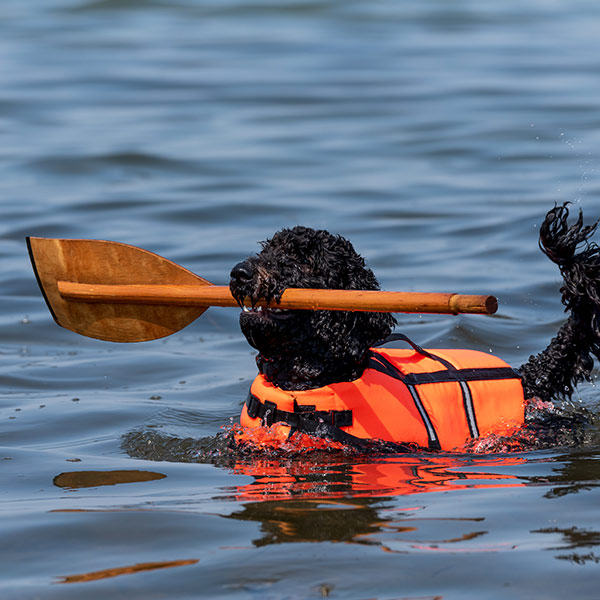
{"points": [[120, 5], [89, 165]]}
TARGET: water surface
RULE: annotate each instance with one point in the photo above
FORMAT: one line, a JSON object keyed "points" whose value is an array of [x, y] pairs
{"points": [[435, 135]]}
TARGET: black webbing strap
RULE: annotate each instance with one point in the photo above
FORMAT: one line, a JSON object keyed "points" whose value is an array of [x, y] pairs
{"points": [[269, 414], [459, 375]]}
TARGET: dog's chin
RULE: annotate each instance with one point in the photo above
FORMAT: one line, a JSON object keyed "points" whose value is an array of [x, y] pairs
{"points": [[266, 329]]}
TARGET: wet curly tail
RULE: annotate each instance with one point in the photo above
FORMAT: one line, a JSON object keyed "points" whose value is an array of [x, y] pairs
{"points": [[568, 360]]}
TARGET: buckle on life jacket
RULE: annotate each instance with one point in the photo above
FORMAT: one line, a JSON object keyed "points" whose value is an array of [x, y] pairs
{"points": [[269, 414], [337, 418], [266, 411], [341, 418]]}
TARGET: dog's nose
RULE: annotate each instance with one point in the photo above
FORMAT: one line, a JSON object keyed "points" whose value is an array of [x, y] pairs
{"points": [[241, 272]]}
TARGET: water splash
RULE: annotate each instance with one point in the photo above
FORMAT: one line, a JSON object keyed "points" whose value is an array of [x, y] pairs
{"points": [[546, 426]]}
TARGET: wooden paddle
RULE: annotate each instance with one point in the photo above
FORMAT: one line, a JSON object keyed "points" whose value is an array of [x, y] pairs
{"points": [[120, 293]]}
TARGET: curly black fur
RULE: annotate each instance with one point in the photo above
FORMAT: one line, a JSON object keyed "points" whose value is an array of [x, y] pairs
{"points": [[568, 360], [300, 349]]}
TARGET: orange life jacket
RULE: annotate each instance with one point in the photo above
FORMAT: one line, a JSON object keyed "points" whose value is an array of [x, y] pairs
{"points": [[433, 398]]}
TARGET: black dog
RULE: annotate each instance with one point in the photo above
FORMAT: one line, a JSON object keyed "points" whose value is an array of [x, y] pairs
{"points": [[303, 350]]}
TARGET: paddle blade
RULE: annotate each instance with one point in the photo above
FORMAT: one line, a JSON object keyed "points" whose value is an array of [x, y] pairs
{"points": [[103, 262]]}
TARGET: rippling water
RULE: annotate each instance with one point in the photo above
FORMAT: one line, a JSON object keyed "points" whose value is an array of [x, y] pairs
{"points": [[435, 135]]}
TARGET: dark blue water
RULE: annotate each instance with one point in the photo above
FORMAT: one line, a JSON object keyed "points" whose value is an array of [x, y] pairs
{"points": [[435, 135]]}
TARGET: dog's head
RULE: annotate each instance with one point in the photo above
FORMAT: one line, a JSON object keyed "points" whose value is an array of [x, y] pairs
{"points": [[302, 349]]}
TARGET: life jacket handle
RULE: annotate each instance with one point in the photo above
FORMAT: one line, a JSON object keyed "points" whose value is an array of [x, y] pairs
{"points": [[401, 337]]}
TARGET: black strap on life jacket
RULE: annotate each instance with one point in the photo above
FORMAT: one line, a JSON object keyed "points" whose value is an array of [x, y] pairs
{"points": [[320, 423], [269, 414], [462, 376]]}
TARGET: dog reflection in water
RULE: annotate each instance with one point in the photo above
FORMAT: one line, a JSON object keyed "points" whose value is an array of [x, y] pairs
{"points": [[342, 502]]}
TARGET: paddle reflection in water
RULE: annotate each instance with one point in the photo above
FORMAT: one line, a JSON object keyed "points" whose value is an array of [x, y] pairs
{"points": [[128, 570], [88, 479], [84, 479]]}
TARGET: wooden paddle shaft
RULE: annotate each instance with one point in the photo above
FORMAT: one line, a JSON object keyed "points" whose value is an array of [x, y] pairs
{"points": [[292, 298]]}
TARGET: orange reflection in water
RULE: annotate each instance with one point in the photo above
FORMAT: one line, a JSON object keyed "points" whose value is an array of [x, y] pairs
{"points": [[397, 475]]}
